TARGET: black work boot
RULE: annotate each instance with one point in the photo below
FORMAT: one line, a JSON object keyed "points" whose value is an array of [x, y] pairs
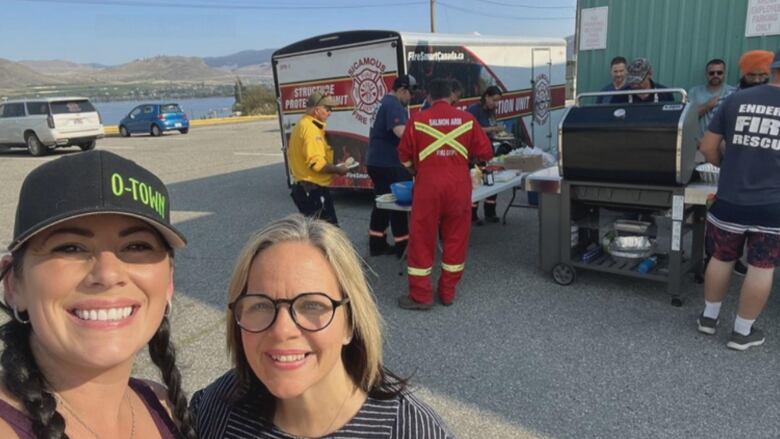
{"points": [[490, 213], [475, 221], [377, 246]]}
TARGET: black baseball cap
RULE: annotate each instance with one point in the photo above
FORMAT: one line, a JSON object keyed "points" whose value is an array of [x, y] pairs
{"points": [[492, 91], [89, 183], [405, 81]]}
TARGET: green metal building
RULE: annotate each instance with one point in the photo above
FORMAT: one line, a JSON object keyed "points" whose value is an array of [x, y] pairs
{"points": [[677, 36]]}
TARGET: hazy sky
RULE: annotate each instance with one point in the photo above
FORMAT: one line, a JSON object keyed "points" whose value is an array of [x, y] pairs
{"points": [[118, 31]]}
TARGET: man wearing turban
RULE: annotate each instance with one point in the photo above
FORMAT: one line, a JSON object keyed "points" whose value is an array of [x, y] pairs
{"points": [[754, 68]]}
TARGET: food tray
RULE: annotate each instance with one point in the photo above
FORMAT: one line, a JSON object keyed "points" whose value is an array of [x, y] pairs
{"points": [[709, 173], [631, 226], [631, 244], [386, 198]]}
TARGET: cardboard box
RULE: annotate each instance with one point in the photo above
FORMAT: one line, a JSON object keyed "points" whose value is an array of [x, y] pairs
{"points": [[528, 163]]}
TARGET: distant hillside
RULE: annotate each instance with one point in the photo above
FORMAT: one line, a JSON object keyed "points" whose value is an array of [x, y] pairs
{"points": [[15, 75], [241, 59], [159, 73], [59, 67], [162, 68]]}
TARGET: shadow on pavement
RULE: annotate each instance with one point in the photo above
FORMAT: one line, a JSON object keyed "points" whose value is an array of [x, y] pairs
{"points": [[604, 357]]}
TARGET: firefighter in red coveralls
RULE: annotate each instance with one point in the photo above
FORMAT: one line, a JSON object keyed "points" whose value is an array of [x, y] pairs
{"points": [[436, 146]]}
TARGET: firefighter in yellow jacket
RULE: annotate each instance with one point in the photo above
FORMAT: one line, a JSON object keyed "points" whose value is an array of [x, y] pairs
{"points": [[310, 159]]}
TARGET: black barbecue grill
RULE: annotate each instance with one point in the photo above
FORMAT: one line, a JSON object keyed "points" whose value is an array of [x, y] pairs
{"points": [[638, 143], [626, 162]]}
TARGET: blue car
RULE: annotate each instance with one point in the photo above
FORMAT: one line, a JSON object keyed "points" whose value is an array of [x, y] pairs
{"points": [[154, 119]]}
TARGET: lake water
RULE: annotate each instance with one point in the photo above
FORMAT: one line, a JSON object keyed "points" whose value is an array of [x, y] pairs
{"points": [[196, 108]]}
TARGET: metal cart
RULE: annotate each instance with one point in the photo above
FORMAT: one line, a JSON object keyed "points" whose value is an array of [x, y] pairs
{"points": [[679, 238], [624, 160]]}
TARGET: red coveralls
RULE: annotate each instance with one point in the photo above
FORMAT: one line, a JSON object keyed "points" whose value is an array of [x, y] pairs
{"points": [[439, 143]]}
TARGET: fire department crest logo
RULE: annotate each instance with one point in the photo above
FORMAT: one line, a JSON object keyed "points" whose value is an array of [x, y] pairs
{"points": [[368, 88], [542, 99]]}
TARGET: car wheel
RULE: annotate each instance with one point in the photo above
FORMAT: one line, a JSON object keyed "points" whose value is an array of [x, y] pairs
{"points": [[123, 131], [88, 145], [34, 145], [184, 130], [156, 131]]}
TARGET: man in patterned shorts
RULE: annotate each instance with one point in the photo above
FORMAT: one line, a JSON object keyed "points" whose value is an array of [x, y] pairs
{"points": [[747, 208]]}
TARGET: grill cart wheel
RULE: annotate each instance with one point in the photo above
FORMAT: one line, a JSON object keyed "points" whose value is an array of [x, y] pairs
{"points": [[563, 274]]}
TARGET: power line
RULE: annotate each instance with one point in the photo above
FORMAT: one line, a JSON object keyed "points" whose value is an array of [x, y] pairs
{"points": [[505, 16], [243, 6], [517, 5]]}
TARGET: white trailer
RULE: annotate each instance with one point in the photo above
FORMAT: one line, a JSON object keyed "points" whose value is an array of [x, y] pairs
{"points": [[357, 68]]}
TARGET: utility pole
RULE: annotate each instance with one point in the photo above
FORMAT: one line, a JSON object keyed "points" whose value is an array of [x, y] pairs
{"points": [[433, 16]]}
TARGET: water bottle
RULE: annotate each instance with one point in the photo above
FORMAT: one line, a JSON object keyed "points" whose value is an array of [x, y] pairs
{"points": [[647, 265]]}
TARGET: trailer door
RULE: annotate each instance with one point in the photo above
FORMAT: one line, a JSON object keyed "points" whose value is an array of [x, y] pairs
{"points": [[541, 74], [358, 76]]}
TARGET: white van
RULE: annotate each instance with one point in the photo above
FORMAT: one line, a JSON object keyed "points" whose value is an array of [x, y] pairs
{"points": [[43, 124]]}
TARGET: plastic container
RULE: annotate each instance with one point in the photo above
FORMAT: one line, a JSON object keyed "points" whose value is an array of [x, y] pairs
{"points": [[646, 265], [403, 192], [476, 177]]}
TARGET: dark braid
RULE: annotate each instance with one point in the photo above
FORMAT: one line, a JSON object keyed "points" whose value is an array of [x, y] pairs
{"points": [[163, 355], [24, 380], [21, 376]]}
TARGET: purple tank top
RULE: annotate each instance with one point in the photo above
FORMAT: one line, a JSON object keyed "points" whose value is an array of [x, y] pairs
{"points": [[22, 425]]}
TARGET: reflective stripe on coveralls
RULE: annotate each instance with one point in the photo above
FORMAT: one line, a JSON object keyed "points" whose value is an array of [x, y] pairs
{"points": [[414, 271], [453, 268], [443, 139]]}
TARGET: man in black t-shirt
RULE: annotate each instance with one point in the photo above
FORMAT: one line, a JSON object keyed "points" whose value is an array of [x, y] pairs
{"points": [[747, 208]]}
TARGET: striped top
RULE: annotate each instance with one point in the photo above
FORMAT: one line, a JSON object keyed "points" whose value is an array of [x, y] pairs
{"points": [[403, 417]]}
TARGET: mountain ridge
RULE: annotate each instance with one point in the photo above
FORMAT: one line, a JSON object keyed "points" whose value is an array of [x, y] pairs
{"points": [[252, 66]]}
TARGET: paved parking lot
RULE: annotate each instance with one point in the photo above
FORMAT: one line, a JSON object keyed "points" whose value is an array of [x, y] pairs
{"points": [[517, 356]]}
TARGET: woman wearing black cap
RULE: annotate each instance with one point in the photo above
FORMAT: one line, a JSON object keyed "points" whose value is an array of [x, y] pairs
{"points": [[87, 285]]}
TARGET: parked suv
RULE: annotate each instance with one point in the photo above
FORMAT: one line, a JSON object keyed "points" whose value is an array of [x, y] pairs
{"points": [[41, 125], [154, 119]]}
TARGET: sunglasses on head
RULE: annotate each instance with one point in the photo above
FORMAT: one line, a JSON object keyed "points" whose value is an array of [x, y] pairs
{"points": [[715, 73]]}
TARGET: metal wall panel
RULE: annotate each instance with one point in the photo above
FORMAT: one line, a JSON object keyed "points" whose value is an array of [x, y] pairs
{"points": [[677, 36]]}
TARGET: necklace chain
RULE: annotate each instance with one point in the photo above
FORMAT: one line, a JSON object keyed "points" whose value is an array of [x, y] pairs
{"points": [[343, 403], [70, 410]]}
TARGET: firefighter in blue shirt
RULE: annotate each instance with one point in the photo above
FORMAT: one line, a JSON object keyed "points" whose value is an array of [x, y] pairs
{"points": [[384, 168]]}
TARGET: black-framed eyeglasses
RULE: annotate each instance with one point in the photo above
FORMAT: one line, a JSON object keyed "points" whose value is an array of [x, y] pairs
{"points": [[255, 312], [715, 72]]}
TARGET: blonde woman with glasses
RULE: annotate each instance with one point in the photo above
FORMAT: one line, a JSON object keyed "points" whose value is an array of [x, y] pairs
{"points": [[305, 337]]}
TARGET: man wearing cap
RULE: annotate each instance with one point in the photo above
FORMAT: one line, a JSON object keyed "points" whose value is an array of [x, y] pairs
{"points": [[754, 68], [640, 77], [485, 113], [384, 168], [310, 160], [707, 97], [438, 144], [747, 208], [617, 70]]}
